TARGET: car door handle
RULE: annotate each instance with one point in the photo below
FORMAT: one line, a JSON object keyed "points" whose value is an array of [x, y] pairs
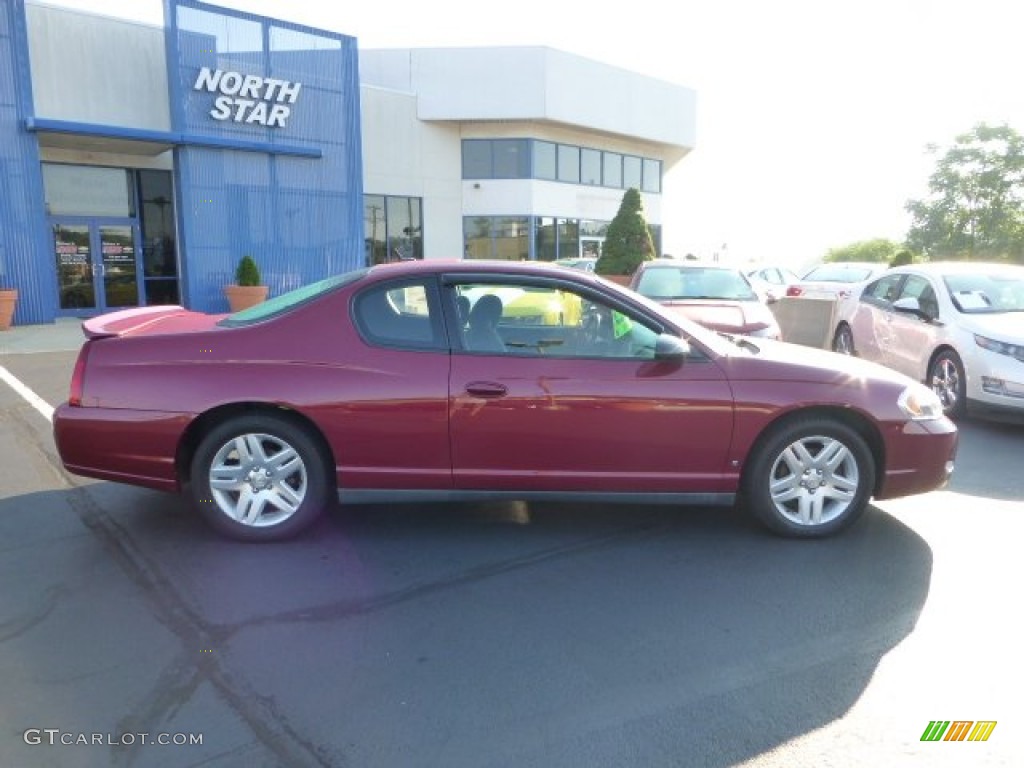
{"points": [[486, 389]]}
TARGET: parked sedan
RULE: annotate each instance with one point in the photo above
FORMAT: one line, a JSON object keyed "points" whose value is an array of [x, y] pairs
{"points": [[372, 386], [717, 296], [836, 279], [774, 280], [586, 263], [959, 326]]}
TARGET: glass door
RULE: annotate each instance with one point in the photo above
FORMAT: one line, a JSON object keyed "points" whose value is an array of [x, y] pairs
{"points": [[591, 247], [119, 267], [97, 266]]}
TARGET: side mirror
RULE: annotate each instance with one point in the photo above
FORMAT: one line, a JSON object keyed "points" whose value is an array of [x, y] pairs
{"points": [[911, 306], [668, 347]]}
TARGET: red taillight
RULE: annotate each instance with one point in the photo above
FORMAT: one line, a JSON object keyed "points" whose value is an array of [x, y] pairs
{"points": [[78, 377], [794, 290]]}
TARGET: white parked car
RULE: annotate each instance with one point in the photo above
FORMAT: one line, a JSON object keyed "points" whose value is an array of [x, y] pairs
{"points": [[957, 326], [835, 279], [772, 280]]}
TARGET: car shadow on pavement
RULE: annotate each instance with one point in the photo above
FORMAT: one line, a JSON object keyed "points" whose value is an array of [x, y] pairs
{"points": [[496, 634]]}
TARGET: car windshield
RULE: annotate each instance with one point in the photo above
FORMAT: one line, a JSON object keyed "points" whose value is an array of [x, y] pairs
{"points": [[976, 293], [838, 273], [286, 301], [671, 283]]}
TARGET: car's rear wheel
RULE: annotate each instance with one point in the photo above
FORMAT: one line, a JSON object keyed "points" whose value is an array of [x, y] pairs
{"points": [[842, 342], [810, 477], [947, 379], [260, 477]]}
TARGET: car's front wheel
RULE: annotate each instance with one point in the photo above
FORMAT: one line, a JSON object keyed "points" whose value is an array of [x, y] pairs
{"points": [[810, 477], [947, 379], [260, 478]]}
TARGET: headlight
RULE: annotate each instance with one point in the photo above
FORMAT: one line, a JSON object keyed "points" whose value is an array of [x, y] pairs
{"points": [[1000, 347], [919, 403]]}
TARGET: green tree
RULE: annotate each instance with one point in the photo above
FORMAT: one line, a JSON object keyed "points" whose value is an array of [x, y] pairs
{"points": [[975, 209], [247, 272], [878, 249], [904, 257], [628, 241]]}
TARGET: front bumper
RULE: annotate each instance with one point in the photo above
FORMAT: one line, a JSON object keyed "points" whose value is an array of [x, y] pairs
{"points": [[920, 457]]}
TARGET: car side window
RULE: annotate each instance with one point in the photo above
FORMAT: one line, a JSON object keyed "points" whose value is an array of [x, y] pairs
{"points": [[398, 315], [540, 320], [917, 287], [884, 290]]}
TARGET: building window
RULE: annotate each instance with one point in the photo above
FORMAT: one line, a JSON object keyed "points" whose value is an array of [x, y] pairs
{"points": [[612, 170], [568, 238], [569, 163], [83, 190], [545, 239], [590, 167], [497, 237], [393, 228], [511, 159], [545, 164], [632, 172], [375, 229], [477, 233], [536, 159], [476, 159], [652, 175], [159, 242]]}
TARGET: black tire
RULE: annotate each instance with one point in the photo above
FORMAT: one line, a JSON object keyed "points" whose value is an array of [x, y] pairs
{"points": [[842, 342], [247, 452], [809, 478], [947, 379]]}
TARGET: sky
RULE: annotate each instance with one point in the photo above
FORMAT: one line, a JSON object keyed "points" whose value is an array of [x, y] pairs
{"points": [[813, 116]]}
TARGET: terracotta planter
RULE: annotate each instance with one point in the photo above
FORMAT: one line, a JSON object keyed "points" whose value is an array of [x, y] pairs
{"points": [[8, 299], [244, 296]]}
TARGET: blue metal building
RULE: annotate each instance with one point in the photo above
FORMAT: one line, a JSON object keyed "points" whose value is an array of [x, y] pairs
{"points": [[126, 180]]}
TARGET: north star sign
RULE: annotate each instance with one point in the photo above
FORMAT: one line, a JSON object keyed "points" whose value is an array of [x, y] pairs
{"points": [[248, 98]]}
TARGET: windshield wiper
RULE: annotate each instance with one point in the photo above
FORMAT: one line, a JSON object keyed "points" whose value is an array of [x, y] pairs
{"points": [[741, 341]]}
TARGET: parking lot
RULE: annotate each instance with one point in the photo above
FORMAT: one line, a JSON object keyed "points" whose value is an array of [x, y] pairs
{"points": [[500, 635]]}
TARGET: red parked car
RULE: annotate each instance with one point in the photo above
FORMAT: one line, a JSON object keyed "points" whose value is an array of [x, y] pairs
{"points": [[411, 381], [717, 296]]}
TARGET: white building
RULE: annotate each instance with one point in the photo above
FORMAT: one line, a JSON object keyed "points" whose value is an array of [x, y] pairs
{"points": [[142, 162]]}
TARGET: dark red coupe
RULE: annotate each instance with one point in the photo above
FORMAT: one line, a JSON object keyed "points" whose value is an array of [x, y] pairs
{"points": [[468, 380]]}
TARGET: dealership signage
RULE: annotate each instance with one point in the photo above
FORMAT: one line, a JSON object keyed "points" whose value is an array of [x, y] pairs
{"points": [[248, 99]]}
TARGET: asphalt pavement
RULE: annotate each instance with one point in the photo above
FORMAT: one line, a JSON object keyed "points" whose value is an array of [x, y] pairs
{"points": [[504, 635]]}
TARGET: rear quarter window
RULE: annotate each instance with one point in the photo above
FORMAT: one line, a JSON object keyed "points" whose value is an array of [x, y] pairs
{"points": [[402, 316]]}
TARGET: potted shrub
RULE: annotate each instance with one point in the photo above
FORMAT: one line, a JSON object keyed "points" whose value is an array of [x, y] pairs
{"points": [[8, 300], [247, 290], [628, 242]]}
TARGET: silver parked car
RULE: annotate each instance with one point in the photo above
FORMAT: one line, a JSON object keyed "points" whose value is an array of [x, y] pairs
{"points": [[957, 326]]}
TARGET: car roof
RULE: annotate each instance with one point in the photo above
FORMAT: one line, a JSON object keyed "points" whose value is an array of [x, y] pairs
{"points": [[875, 265], [469, 265], [960, 267], [399, 269], [688, 264]]}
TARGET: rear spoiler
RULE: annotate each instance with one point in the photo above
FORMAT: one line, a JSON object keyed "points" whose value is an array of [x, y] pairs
{"points": [[128, 321]]}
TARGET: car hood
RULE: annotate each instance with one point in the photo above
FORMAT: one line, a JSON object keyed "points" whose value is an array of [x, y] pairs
{"points": [[782, 361], [1002, 326], [726, 316]]}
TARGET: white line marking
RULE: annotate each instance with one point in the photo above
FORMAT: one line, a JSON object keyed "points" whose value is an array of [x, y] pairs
{"points": [[31, 397]]}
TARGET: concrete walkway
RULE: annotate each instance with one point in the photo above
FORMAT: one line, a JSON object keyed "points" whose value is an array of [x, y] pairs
{"points": [[62, 336]]}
